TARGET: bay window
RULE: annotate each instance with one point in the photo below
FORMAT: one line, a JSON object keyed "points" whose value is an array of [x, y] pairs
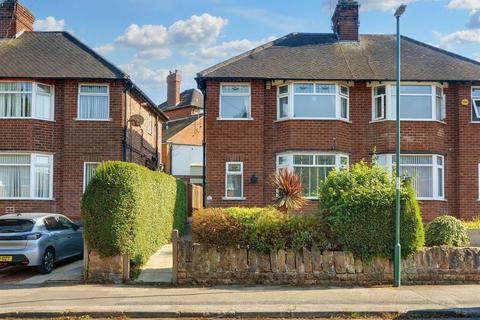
{"points": [[234, 181], [93, 102], [476, 104], [417, 102], [235, 101], [425, 171], [26, 100], [313, 168], [26, 176], [312, 100]]}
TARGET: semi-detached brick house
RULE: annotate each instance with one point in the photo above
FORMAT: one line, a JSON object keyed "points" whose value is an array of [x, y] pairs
{"points": [[313, 102], [63, 110]]}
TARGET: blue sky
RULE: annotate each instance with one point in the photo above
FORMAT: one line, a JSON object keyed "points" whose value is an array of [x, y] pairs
{"points": [[147, 38]]}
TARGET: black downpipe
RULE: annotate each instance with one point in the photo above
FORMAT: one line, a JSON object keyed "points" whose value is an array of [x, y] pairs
{"points": [[204, 148], [128, 86]]}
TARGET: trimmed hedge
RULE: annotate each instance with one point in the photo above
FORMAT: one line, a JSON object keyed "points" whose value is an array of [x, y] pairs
{"points": [[446, 230], [262, 229], [358, 206], [129, 209]]}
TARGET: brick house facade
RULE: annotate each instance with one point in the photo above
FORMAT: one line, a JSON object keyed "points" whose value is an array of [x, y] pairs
{"points": [[59, 143], [243, 149]]}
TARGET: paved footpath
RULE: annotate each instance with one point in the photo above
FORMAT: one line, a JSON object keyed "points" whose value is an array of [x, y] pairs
{"points": [[152, 301]]}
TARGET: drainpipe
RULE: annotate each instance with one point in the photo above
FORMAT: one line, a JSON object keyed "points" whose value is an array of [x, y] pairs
{"points": [[156, 143], [204, 175], [128, 86]]}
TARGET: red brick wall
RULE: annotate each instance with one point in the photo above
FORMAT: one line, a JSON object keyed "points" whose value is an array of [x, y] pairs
{"points": [[72, 142], [257, 142], [182, 112], [14, 19]]}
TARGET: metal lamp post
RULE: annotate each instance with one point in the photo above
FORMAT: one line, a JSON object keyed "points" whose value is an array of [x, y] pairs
{"points": [[398, 249]]}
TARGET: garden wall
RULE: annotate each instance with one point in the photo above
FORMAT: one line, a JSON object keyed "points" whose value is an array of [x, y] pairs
{"points": [[199, 264]]}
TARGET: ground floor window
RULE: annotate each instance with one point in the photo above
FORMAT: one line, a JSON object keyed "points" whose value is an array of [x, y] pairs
{"points": [[89, 169], [234, 180], [312, 168], [26, 176], [426, 172]]}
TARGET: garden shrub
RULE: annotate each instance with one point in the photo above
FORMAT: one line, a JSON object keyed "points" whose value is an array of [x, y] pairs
{"points": [[358, 205], [262, 229], [129, 209], [472, 224], [446, 230]]}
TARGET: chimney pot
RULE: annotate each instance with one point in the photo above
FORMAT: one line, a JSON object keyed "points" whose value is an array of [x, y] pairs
{"points": [[14, 18], [173, 88], [345, 21]]}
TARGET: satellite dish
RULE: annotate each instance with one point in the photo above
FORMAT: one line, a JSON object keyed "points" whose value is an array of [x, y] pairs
{"points": [[137, 120]]}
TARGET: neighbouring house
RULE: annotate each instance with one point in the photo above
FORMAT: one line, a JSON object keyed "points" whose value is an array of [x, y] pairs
{"points": [[63, 110], [313, 102], [183, 134]]}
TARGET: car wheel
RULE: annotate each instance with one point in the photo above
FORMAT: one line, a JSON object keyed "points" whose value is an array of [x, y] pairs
{"points": [[48, 260]]}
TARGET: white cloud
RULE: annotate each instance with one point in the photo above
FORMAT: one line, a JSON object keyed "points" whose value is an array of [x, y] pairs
{"points": [[462, 37], [105, 49], [196, 30], [474, 20], [147, 36], [147, 55], [49, 24], [464, 4], [225, 50]]}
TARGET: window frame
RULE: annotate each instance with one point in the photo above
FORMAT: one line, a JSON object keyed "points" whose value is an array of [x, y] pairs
{"points": [[390, 94], [390, 163], [85, 172], [150, 124], [34, 100], [241, 173], [32, 166], [291, 100], [289, 165], [474, 109], [220, 95], [98, 84]]}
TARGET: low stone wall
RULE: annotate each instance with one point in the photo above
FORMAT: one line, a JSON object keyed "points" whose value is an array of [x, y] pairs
{"points": [[98, 269], [197, 264]]}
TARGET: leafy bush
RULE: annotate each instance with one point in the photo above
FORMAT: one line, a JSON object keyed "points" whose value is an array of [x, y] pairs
{"points": [[446, 230], [129, 209], [289, 190], [472, 224], [263, 229], [358, 206]]}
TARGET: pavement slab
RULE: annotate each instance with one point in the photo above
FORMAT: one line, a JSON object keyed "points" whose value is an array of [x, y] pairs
{"points": [[260, 301], [158, 269]]}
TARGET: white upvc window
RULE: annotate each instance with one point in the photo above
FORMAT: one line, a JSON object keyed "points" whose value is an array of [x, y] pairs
{"points": [[426, 172], [235, 101], [313, 100], [419, 102], [313, 168], [89, 169], [26, 176], [26, 100], [93, 102], [150, 123], [476, 104], [234, 181]]}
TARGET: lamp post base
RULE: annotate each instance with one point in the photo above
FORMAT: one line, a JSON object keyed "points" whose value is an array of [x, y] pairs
{"points": [[397, 266]]}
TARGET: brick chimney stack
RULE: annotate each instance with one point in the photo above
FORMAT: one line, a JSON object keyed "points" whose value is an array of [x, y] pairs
{"points": [[345, 22], [14, 18], [173, 88]]}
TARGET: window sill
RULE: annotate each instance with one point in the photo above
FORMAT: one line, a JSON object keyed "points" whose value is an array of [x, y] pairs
{"points": [[432, 199], [93, 120], [314, 119], [25, 118], [475, 122], [234, 199], [408, 120], [234, 119], [27, 199]]}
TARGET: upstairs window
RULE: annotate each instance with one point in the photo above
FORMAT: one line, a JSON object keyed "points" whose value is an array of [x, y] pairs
{"points": [[313, 101], [417, 102], [26, 100], [235, 101], [476, 104], [93, 102]]}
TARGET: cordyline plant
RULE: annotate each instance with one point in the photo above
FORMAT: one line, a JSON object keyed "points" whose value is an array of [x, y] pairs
{"points": [[289, 190]]}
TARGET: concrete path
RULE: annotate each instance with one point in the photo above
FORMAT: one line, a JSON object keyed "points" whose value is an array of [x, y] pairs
{"points": [[153, 301], [158, 268], [68, 273]]}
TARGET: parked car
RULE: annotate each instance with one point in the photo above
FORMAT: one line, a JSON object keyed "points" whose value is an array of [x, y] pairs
{"points": [[38, 240]]}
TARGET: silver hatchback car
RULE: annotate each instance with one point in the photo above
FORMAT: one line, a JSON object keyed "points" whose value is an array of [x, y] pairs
{"points": [[38, 239]]}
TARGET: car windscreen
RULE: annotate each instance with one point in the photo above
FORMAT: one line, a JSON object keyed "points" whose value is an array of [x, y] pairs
{"points": [[15, 225]]}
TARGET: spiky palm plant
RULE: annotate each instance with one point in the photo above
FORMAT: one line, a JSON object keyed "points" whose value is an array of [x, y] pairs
{"points": [[289, 190]]}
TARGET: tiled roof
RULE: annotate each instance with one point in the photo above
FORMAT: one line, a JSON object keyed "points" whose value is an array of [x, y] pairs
{"points": [[53, 55], [188, 98], [321, 56]]}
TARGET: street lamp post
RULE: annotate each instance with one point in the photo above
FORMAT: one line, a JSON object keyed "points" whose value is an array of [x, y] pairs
{"points": [[398, 249]]}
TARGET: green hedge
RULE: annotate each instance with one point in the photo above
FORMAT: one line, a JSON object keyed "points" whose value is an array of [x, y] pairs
{"points": [[358, 205], [263, 229], [446, 230], [129, 209]]}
